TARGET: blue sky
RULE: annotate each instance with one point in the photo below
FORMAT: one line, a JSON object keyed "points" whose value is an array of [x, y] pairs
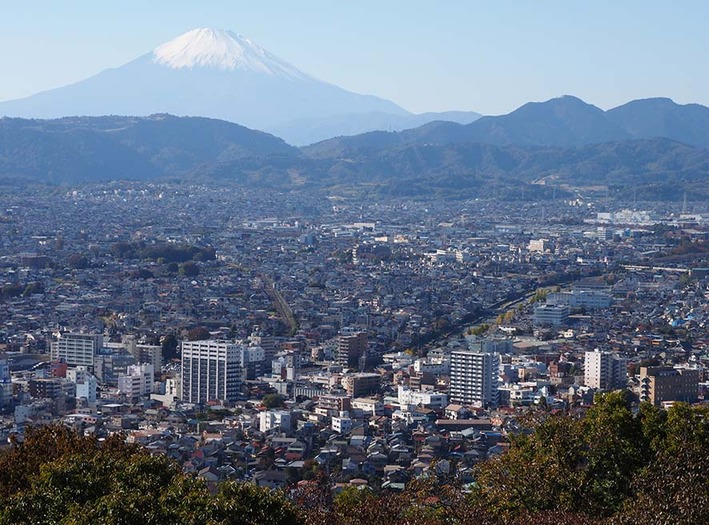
{"points": [[486, 56]]}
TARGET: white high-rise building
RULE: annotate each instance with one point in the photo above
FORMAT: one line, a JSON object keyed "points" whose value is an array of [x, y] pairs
{"points": [[77, 349], [473, 377], [605, 370], [211, 371]]}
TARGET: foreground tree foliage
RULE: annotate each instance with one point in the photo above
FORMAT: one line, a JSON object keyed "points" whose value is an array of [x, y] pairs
{"points": [[424, 502], [612, 466], [58, 477]]}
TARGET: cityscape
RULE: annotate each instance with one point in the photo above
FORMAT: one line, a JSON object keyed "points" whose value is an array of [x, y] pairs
{"points": [[234, 292], [285, 332]]}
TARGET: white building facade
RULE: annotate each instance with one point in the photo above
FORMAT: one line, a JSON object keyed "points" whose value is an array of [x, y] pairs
{"points": [[474, 378], [138, 381], [76, 349], [605, 370]]}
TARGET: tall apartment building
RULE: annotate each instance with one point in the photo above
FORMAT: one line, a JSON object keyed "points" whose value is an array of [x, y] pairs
{"points": [[150, 354], [5, 382], [332, 404], [605, 371], [211, 371], [666, 383], [51, 388], [77, 349], [473, 377], [350, 347]]}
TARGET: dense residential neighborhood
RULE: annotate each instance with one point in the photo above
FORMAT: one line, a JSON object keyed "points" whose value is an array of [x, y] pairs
{"points": [[275, 338]]}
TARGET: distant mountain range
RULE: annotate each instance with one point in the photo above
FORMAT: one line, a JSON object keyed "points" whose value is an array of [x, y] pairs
{"points": [[221, 74], [654, 148], [566, 122]]}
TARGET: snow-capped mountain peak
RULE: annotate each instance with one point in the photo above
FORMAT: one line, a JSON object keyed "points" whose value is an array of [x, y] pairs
{"points": [[225, 50]]}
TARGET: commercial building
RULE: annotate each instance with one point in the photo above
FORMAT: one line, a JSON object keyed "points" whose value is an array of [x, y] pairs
{"points": [[605, 371], [473, 378], [551, 315], [211, 371], [425, 398], [580, 299], [666, 383]]}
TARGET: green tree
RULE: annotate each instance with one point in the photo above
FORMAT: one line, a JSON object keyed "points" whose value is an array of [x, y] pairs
{"points": [[273, 401], [674, 487], [189, 269], [615, 451], [72, 479], [78, 261], [199, 333], [33, 288], [169, 346]]}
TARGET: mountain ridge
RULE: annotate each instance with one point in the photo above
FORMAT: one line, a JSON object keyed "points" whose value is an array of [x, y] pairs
{"points": [[564, 121], [189, 149]]}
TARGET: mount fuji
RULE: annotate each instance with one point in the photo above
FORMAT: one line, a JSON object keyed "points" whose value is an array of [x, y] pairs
{"points": [[221, 74]]}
